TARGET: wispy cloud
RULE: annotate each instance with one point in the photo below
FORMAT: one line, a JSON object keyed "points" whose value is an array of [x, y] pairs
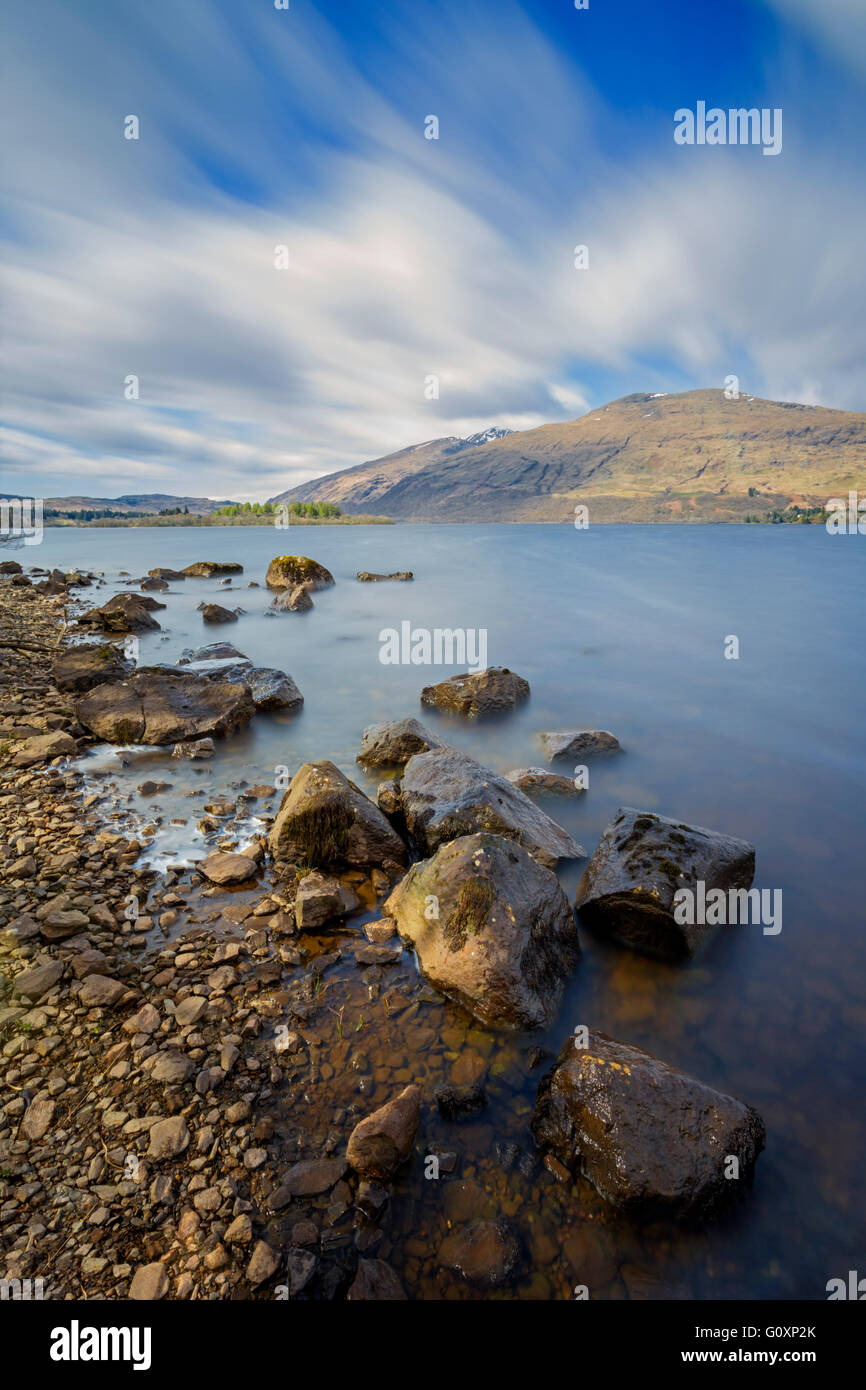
{"points": [[407, 257]]}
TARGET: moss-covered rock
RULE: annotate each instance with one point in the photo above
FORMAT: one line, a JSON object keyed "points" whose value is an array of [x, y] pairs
{"points": [[491, 927], [288, 571]]}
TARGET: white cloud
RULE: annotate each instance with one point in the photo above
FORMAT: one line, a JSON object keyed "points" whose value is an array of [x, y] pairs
{"points": [[407, 258]]}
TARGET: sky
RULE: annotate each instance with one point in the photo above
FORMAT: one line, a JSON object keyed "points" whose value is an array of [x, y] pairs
{"points": [[407, 258]]}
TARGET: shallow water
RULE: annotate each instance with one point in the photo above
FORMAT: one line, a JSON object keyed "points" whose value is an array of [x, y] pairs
{"points": [[620, 628]]}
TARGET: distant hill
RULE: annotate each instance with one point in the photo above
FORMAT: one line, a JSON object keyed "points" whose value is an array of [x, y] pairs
{"points": [[694, 456], [136, 504]]}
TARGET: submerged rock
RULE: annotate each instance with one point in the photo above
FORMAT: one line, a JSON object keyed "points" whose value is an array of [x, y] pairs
{"points": [[214, 651], [393, 743], [206, 569], [579, 743], [376, 1282], [652, 1140], [642, 860], [288, 571], [296, 600], [197, 749], [215, 613], [445, 793], [491, 927], [381, 1142], [123, 613], [536, 779], [157, 705], [485, 692], [484, 1252], [324, 819], [367, 578]]}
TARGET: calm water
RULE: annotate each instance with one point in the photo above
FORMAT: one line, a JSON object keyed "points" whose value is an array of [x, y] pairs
{"points": [[620, 628]]}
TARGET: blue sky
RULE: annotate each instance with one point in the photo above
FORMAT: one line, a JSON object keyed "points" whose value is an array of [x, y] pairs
{"points": [[408, 257]]}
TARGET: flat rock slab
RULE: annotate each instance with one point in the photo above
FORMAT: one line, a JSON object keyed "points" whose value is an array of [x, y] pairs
{"points": [[394, 742], [32, 984], [445, 794], [81, 668], [641, 862], [652, 1140], [226, 869], [324, 819], [41, 748], [579, 743], [100, 991], [484, 692], [157, 705], [312, 1176], [492, 928]]}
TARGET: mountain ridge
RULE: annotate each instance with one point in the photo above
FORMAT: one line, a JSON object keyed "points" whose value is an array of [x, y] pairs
{"points": [[693, 455]]}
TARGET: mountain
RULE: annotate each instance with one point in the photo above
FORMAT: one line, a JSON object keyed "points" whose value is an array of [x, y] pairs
{"points": [[135, 504], [693, 456], [361, 487]]}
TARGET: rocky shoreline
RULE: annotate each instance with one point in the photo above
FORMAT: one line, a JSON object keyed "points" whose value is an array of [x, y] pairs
{"points": [[211, 1080]]}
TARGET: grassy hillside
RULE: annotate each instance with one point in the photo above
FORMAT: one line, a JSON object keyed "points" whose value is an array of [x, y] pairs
{"points": [[695, 456]]}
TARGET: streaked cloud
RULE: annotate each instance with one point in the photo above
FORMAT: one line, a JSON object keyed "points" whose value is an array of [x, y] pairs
{"points": [[407, 258]]}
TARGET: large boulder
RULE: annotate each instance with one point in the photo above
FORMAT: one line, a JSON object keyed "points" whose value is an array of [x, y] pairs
{"points": [[324, 819], [161, 573], [393, 743], [158, 705], [381, 1142], [491, 927], [206, 569], [81, 668], [445, 793], [579, 743], [642, 860], [485, 692], [123, 613], [287, 571], [651, 1140]]}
